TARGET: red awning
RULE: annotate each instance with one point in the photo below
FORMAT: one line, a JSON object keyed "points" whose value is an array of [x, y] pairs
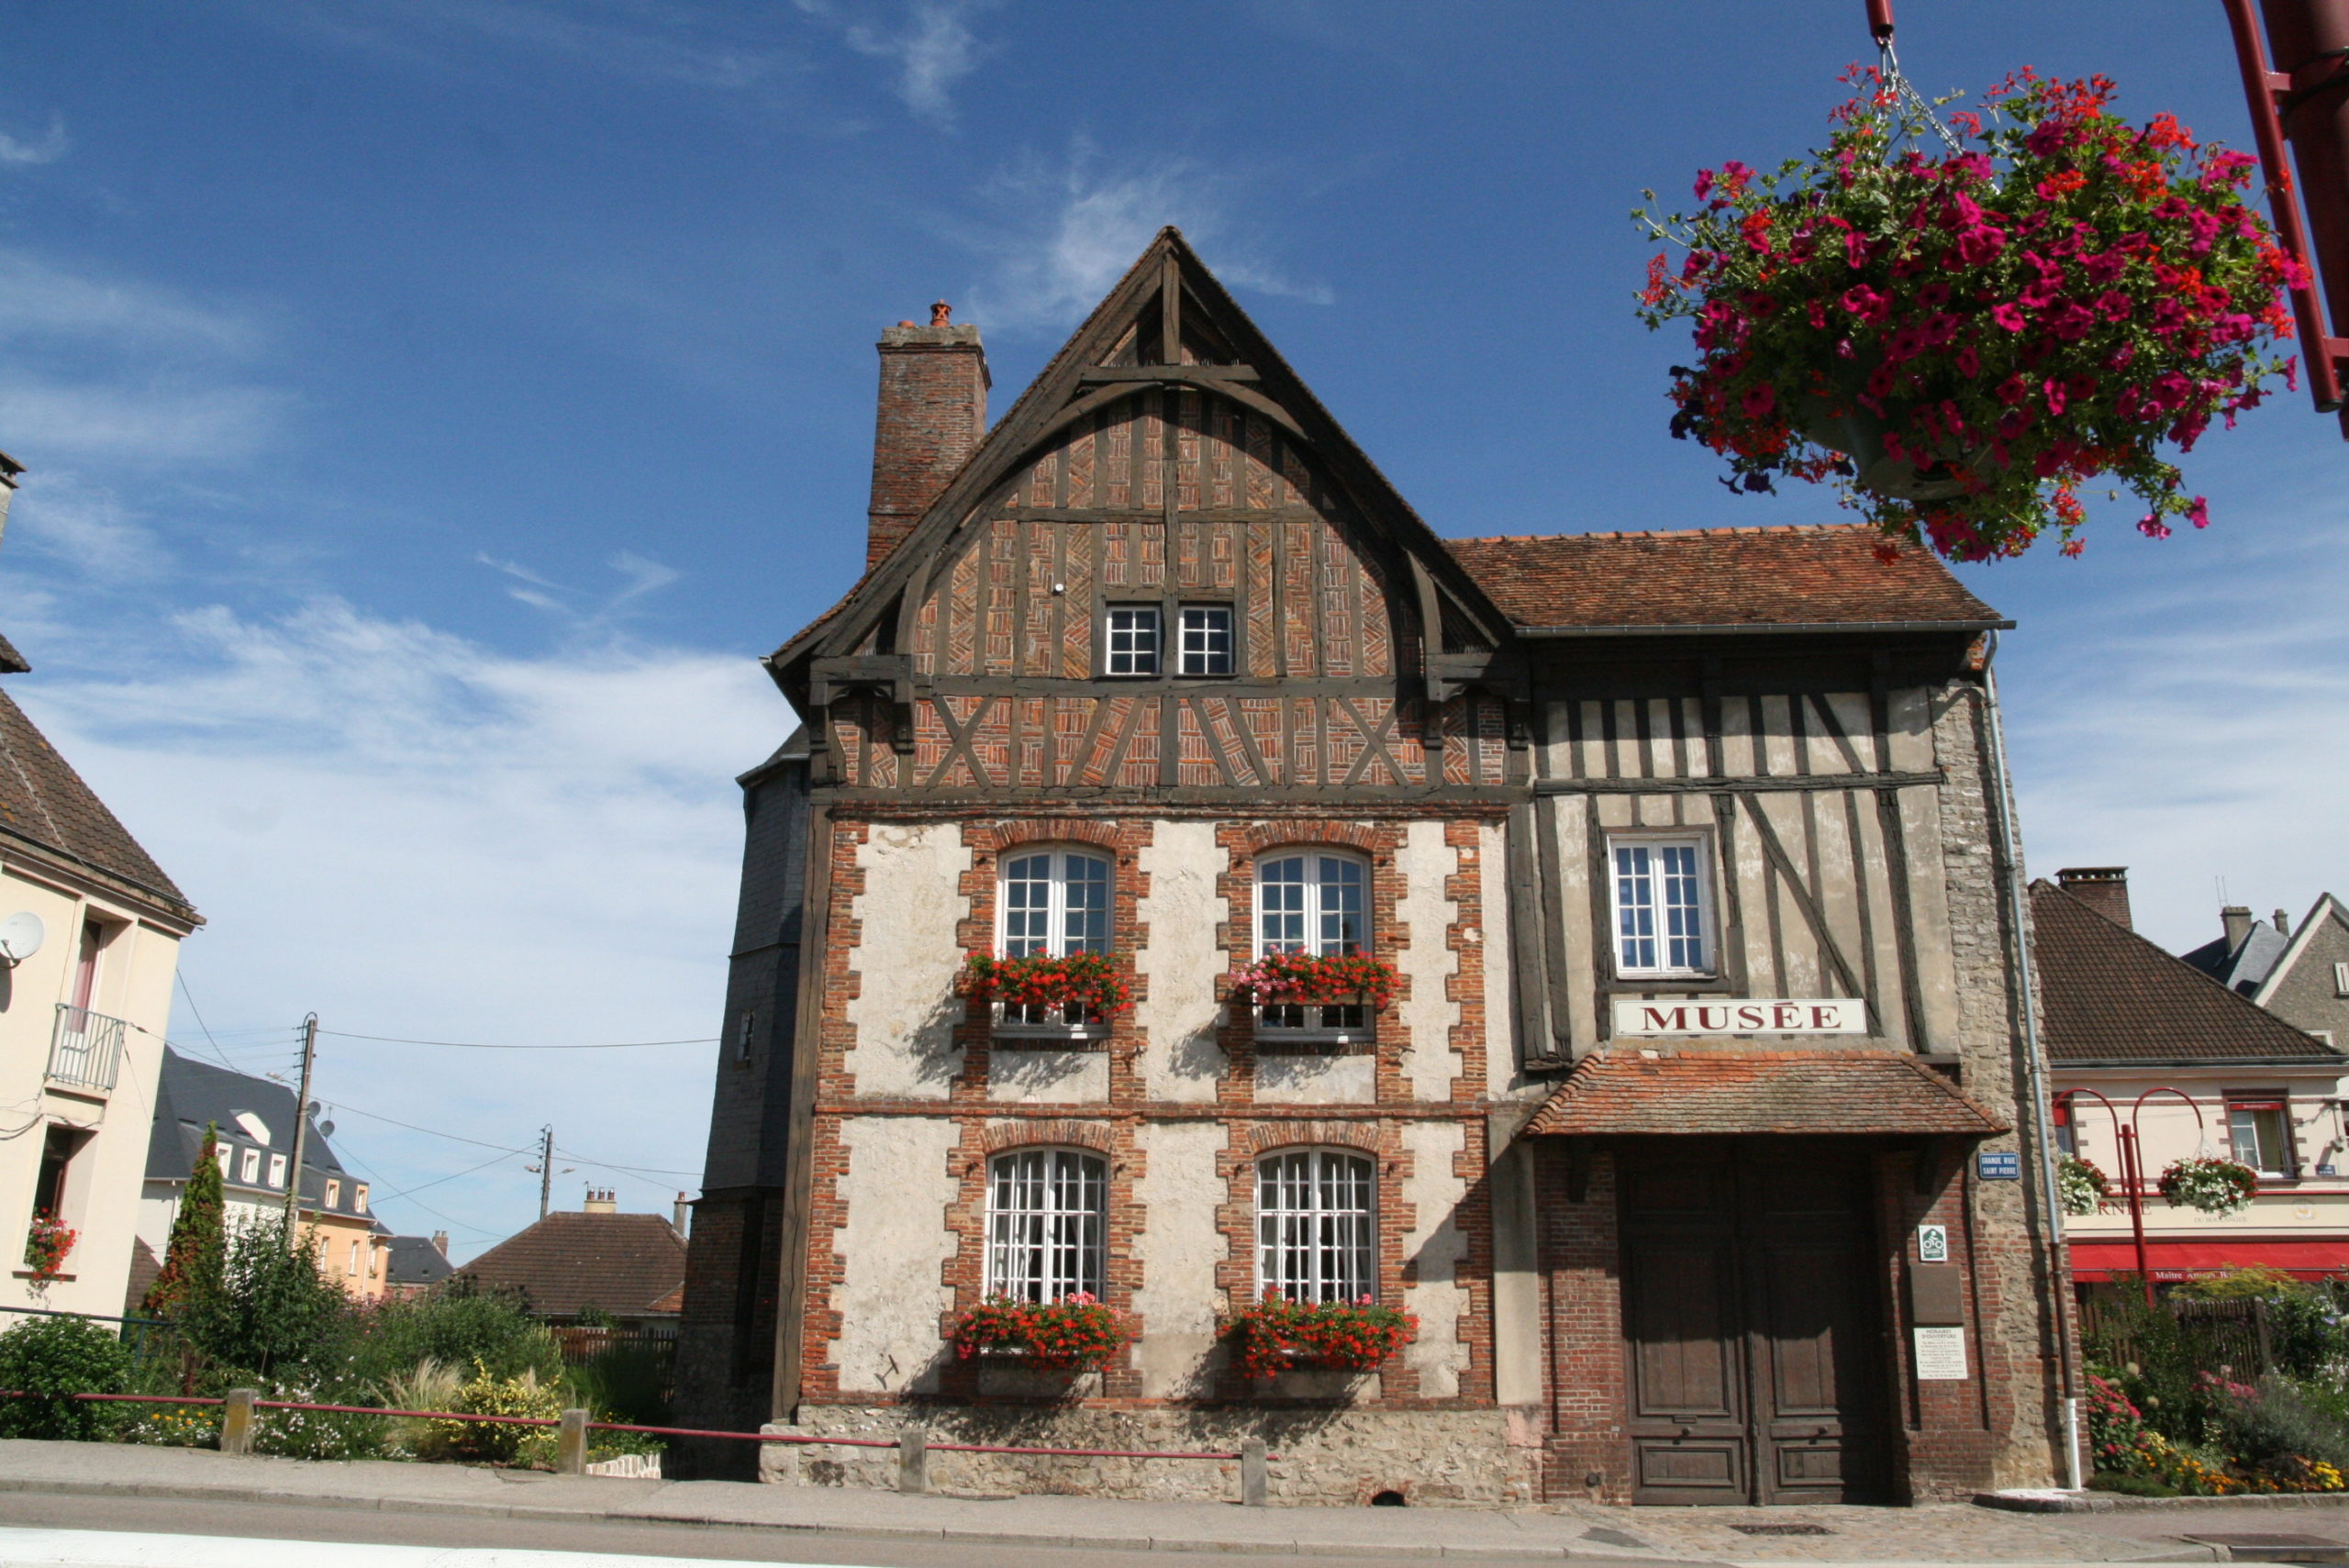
{"points": [[2188, 1259]]}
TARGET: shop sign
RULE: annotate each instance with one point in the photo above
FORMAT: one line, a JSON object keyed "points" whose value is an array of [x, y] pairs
{"points": [[1743, 1015]]}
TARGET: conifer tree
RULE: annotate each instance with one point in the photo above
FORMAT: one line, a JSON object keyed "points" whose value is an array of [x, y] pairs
{"points": [[192, 1259]]}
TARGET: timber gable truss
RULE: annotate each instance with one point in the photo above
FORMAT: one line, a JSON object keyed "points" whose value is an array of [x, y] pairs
{"points": [[1167, 462]]}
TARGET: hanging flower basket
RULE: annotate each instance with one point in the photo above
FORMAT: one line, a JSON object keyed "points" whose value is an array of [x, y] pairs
{"points": [[1077, 1333], [2212, 1186], [1277, 1335], [1086, 980], [47, 1243], [1964, 339], [2082, 1188], [1289, 979]]}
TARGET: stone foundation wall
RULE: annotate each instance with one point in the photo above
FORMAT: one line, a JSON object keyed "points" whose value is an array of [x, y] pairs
{"points": [[1463, 1458]]}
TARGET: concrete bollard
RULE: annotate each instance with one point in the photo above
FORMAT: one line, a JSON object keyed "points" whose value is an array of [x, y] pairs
{"points": [[913, 1460], [237, 1420], [1255, 1474], [570, 1444]]}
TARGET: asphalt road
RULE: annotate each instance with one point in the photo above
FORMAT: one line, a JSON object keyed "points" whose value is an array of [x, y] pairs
{"points": [[294, 1524]]}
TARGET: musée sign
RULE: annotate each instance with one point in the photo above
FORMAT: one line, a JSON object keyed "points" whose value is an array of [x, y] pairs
{"points": [[1744, 1014]]}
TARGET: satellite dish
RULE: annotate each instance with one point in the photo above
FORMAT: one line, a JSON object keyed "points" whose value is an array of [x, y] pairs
{"points": [[326, 1130], [20, 936]]}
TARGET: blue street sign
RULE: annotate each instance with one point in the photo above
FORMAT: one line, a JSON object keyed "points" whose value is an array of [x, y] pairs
{"points": [[1999, 1165]]}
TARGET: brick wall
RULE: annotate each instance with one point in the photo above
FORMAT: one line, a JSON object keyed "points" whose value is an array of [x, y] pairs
{"points": [[932, 411]]}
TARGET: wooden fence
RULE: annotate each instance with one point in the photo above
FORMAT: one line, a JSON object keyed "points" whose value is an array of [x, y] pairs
{"points": [[2230, 1334]]}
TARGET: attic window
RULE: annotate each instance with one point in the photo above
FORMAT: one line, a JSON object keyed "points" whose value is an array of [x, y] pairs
{"points": [[1131, 647], [277, 1170], [359, 1199], [2341, 979], [255, 1128], [334, 1192]]}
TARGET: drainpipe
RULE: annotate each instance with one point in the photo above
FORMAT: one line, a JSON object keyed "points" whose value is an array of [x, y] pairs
{"points": [[2010, 851]]}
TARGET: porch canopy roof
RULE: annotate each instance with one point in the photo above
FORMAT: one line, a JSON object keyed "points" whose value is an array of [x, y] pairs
{"points": [[2314, 1258], [1793, 1093]]}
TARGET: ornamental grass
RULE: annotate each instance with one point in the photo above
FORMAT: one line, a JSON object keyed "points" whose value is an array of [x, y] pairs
{"points": [[1962, 338]]}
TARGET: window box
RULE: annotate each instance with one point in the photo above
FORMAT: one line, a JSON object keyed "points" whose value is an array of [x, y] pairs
{"points": [[1276, 1335], [1074, 1334], [1311, 1002], [1047, 998]]}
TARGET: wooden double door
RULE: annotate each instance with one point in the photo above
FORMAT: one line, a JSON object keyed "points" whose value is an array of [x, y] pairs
{"points": [[1753, 1323]]}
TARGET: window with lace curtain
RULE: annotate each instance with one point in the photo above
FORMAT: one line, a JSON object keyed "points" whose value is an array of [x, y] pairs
{"points": [[1047, 1211]]}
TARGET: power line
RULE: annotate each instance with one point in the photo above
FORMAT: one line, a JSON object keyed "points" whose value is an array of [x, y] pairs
{"points": [[349, 1110], [368, 1171], [180, 975], [482, 1045], [468, 1171], [637, 1169]]}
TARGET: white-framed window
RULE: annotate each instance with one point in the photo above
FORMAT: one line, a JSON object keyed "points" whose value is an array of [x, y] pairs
{"points": [[221, 1152], [1052, 901], [2261, 1132], [1317, 1225], [1313, 901], [1047, 1213], [2341, 979], [359, 1199], [334, 1191], [353, 1268], [249, 1172], [1133, 641], [1206, 641], [277, 1170], [1660, 906]]}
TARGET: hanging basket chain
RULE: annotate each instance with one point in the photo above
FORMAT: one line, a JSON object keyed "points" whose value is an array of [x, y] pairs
{"points": [[1890, 73]]}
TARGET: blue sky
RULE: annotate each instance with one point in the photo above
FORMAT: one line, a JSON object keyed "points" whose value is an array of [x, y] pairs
{"points": [[432, 408]]}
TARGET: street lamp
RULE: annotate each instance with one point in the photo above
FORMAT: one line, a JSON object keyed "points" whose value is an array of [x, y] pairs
{"points": [[2132, 1163]]}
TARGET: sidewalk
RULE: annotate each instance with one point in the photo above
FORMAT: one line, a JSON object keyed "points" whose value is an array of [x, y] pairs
{"points": [[1947, 1533]]}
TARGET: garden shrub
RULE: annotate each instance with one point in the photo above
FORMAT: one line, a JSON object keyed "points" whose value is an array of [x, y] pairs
{"points": [[276, 1318], [458, 1325], [487, 1394], [625, 1382], [50, 1358]]}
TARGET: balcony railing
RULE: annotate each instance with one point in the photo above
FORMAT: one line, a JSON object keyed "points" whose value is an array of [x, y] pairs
{"points": [[85, 1050]]}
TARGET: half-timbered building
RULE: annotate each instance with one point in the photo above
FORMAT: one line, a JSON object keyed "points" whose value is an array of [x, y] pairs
{"points": [[1682, 1135]]}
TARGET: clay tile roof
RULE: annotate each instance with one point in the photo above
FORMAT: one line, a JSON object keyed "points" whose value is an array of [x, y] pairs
{"points": [[11, 661], [1823, 574], [627, 1264], [2107, 995], [1795, 1092], [44, 801]]}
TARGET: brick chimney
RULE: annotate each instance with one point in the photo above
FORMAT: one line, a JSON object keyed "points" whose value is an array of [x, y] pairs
{"points": [[932, 411], [2283, 924], [600, 1202], [2104, 889], [440, 1242], [2235, 918]]}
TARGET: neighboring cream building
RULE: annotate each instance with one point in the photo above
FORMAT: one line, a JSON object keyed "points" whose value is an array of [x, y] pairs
{"points": [[83, 1011], [255, 1147], [2127, 1020]]}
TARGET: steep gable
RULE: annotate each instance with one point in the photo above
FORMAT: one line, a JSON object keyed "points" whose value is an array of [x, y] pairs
{"points": [[2111, 996]]}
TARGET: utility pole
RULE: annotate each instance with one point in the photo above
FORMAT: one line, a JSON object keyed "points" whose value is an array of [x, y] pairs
{"points": [[546, 1168], [301, 1130]]}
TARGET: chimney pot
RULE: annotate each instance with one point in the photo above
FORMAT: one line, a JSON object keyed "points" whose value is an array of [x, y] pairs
{"points": [[939, 311], [2104, 889], [600, 1202], [2235, 918], [929, 417]]}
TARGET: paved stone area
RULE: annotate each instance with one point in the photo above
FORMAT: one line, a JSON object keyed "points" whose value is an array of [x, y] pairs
{"points": [[1939, 1533]]}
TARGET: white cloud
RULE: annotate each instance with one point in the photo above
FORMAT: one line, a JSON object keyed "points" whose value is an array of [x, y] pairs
{"points": [[38, 299], [48, 150], [587, 612], [416, 837], [649, 41], [157, 419], [2191, 721], [934, 49], [1072, 229], [87, 529]]}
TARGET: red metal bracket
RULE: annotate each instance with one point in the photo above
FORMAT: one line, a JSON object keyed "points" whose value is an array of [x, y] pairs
{"points": [[2326, 357]]}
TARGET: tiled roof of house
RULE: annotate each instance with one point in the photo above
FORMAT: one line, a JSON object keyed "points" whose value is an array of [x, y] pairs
{"points": [[44, 801], [1821, 574], [1718, 1093], [2107, 995], [414, 1260], [11, 661], [625, 1263]]}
